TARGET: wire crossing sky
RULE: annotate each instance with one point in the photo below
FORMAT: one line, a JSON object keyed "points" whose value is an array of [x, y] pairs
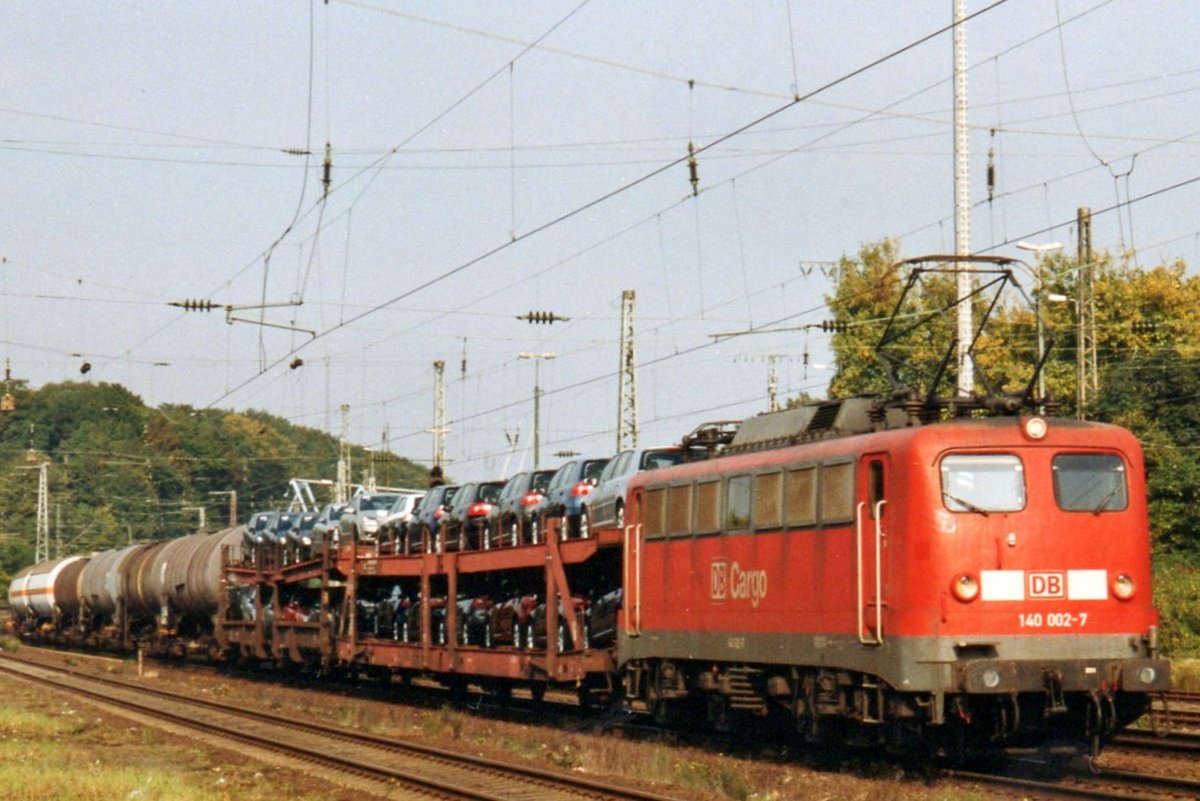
{"points": [[488, 160]]}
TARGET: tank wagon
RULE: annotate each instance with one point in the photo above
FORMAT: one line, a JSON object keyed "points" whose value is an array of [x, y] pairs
{"points": [[161, 596], [846, 569], [46, 596]]}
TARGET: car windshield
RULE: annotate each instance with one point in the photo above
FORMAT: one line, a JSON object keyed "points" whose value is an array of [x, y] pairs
{"points": [[373, 503], [541, 480], [1087, 482], [983, 483], [652, 460], [450, 493], [592, 469]]}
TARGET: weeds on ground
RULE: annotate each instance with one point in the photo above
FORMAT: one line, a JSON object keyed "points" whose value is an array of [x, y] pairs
{"points": [[60, 753], [445, 722]]}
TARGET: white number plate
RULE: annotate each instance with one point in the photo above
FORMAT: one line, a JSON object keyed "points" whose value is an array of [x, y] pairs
{"points": [[1053, 620]]}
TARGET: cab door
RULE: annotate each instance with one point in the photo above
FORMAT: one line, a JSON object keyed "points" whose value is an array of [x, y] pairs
{"points": [[870, 515]]}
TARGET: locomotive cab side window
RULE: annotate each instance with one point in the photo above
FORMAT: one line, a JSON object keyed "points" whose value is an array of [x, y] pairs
{"points": [[800, 500], [679, 510], [653, 512], [837, 493], [768, 500], [983, 483], [874, 486], [1090, 482], [737, 503], [708, 507]]}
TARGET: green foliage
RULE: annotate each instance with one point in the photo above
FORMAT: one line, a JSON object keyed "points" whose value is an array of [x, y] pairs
{"points": [[1177, 598], [121, 471]]}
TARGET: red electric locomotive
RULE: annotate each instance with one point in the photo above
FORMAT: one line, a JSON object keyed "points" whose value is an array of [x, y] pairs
{"points": [[979, 581]]}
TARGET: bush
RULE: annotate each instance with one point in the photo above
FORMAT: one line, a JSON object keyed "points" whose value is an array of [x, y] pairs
{"points": [[1177, 597]]}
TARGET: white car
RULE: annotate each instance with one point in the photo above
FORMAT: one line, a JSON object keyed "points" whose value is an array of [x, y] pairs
{"points": [[365, 514]]}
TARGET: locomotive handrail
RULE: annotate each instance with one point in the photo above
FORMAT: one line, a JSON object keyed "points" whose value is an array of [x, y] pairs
{"points": [[633, 600], [641, 544], [877, 638]]}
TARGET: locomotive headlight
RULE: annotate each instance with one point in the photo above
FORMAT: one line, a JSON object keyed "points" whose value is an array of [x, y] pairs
{"points": [[966, 589], [1035, 427], [991, 678], [1122, 587], [1147, 675]]}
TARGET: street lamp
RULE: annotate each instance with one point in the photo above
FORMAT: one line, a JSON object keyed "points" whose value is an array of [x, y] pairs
{"points": [[537, 402], [1038, 250]]}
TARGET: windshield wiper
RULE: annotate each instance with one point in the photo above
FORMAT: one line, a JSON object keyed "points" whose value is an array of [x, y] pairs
{"points": [[963, 502], [1112, 493]]}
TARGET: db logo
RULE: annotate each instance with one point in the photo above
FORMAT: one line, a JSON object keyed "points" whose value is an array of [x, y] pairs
{"points": [[1047, 585], [719, 581]]}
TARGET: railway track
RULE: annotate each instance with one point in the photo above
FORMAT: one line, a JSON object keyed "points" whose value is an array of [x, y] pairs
{"points": [[336, 751], [1108, 784]]}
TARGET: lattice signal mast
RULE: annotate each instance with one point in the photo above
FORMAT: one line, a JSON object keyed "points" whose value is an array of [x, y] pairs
{"points": [[627, 414], [41, 546], [439, 429], [341, 490], [1087, 378]]}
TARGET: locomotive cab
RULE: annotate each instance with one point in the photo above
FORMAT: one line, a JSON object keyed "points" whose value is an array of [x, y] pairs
{"points": [[1041, 612]]}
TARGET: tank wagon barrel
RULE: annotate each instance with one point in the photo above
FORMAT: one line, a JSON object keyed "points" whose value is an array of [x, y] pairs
{"points": [[48, 591], [100, 582]]}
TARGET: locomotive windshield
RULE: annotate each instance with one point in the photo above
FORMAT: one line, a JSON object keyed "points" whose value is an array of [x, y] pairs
{"points": [[1090, 482], [983, 483]]}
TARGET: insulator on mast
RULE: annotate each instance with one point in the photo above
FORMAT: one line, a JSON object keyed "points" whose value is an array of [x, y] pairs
{"points": [[692, 169], [328, 168], [991, 168]]}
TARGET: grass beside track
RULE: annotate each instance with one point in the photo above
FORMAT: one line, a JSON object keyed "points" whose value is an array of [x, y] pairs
{"points": [[52, 749]]}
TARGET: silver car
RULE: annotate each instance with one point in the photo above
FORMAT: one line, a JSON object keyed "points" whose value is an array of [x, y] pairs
{"points": [[364, 516], [606, 507]]}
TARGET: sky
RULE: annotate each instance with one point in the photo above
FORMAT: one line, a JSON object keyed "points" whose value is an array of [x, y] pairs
{"points": [[492, 159]]}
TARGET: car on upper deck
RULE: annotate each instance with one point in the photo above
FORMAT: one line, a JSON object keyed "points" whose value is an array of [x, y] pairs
{"points": [[364, 516], [467, 525], [606, 506], [426, 519], [516, 516], [567, 494]]}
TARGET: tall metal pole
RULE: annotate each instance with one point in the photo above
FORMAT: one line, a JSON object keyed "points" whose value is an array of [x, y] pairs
{"points": [[627, 411], [41, 545], [962, 202], [537, 403], [341, 490], [439, 414], [1087, 381], [1038, 298]]}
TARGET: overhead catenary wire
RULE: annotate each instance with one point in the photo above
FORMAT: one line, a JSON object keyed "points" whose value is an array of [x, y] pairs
{"points": [[636, 182]]}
